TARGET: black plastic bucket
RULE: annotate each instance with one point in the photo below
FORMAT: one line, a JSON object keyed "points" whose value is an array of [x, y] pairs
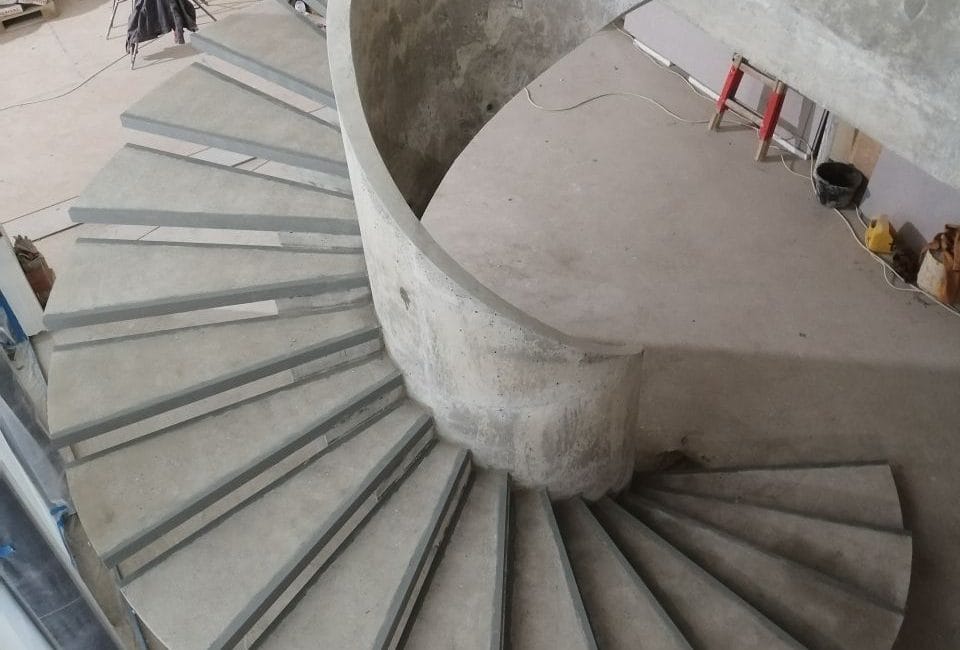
{"points": [[837, 183]]}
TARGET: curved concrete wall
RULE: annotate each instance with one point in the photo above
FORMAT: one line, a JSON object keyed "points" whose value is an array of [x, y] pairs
{"points": [[550, 409]]}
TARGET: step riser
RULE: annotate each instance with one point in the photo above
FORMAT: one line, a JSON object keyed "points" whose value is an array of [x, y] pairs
{"points": [[336, 351], [315, 163], [404, 602], [163, 218], [346, 421], [337, 291], [816, 610], [851, 553], [268, 608]]}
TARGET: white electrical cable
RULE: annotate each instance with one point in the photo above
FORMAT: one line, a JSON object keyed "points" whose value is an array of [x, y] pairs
{"points": [[612, 94]]}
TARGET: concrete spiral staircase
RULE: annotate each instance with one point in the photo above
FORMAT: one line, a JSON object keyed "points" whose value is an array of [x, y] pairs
{"points": [[264, 481]]}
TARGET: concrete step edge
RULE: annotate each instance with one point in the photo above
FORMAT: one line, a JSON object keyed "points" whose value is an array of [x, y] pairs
{"points": [[206, 389], [414, 580], [573, 592], [609, 505], [210, 46], [832, 582], [238, 144], [498, 625], [321, 426], [337, 530], [599, 533]]}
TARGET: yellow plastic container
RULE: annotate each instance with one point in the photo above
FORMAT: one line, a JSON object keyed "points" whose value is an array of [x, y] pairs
{"points": [[879, 236]]}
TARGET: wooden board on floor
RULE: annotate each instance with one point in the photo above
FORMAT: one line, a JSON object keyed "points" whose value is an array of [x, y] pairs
{"points": [[9, 14]]}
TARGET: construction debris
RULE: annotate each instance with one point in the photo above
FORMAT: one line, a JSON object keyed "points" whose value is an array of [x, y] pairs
{"points": [[940, 269], [35, 268]]}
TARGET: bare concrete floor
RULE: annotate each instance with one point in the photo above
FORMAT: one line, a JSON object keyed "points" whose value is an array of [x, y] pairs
{"points": [[771, 337], [52, 146]]}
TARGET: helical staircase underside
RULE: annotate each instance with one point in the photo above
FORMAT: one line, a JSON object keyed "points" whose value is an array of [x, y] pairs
{"points": [[262, 480]]}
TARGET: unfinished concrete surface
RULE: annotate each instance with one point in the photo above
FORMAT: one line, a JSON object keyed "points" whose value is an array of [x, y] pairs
{"points": [[768, 332], [347, 489]]}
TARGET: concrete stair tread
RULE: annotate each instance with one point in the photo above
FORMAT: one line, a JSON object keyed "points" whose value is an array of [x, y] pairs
{"points": [[143, 186], [211, 591], [623, 612], [464, 605], [119, 280], [547, 612], [213, 455], [203, 106], [708, 613], [359, 600], [249, 40], [817, 610], [98, 387], [874, 560], [863, 494]]}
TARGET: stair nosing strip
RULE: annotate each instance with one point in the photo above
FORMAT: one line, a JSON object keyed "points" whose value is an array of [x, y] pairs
{"points": [[126, 444], [266, 597], [222, 298], [573, 591], [130, 546], [215, 220], [748, 503], [662, 542], [235, 144], [230, 169], [226, 53], [755, 468], [153, 243], [815, 574], [279, 363], [452, 495], [359, 428], [498, 626], [601, 534]]}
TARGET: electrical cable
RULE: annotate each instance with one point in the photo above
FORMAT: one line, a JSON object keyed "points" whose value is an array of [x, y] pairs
{"points": [[64, 94], [612, 94]]}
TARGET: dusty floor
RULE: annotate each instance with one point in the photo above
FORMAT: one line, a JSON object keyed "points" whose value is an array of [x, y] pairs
{"points": [[51, 149], [770, 336]]}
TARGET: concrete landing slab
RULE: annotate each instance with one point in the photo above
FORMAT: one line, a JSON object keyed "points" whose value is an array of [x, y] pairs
{"points": [[142, 186], [110, 280], [206, 107]]}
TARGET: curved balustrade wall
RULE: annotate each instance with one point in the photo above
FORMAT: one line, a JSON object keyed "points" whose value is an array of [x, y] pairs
{"points": [[414, 82]]}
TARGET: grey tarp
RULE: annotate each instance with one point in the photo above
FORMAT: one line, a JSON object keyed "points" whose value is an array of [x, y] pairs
{"points": [[152, 18]]}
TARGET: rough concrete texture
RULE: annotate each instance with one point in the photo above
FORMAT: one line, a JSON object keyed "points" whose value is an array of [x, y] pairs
{"points": [[431, 74], [887, 63], [191, 106], [250, 40], [550, 409], [770, 337], [203, 588], [174, 277], [351, 603], [78, 398], [708, 613], [812, 607], [464, 603], [875, 561], [205, 455], [623, 613], [144, 186], [546, 609]]}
